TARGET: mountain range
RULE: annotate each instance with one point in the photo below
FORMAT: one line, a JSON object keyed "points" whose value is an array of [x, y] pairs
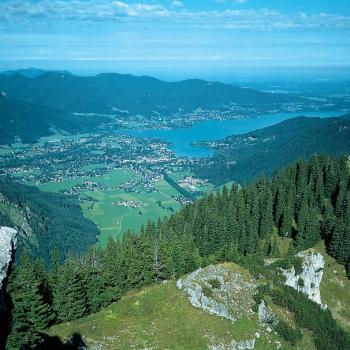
{"points": [[138, 95]]}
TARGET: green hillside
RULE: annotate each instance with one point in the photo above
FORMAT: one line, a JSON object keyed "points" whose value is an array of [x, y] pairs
{"points": [[248, 156], [45, 221], [107, 93], [261, 227], [161, 317], [27, 122]]}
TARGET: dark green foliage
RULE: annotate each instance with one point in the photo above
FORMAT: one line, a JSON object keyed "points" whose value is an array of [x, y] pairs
{"points": [[207, 292], [262, 290], [215, 283], [290, 334], [288, 262], [31, 309], [225, 226], [70, 300], [56, 221], [32, 121], [327, 334], [245, 157], [301, 282]]}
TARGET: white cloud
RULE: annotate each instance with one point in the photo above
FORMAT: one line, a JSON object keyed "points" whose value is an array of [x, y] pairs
{"points": [[140, 9], [177, 3], [230, 1], [34, 12]]}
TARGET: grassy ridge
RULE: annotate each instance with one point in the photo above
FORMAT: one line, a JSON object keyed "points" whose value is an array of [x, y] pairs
{"points": [[161, 317]]}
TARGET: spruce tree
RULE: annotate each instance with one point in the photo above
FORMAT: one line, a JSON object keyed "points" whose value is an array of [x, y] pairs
{"points": [[70, 300], [31, 313], [266, 213]]}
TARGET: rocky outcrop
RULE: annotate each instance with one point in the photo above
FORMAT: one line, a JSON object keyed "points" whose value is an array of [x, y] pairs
{"points": [[266, 316], [235, 345], [220, 290], [8, 244], [309, 280]]}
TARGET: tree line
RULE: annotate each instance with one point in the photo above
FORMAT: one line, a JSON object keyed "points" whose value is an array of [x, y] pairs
{"points": [[302, 204]]}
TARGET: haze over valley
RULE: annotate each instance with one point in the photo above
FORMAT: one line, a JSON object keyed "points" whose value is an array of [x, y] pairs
{"points": [[174, 175]]}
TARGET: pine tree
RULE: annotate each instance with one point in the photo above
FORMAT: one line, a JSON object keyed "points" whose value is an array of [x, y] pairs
{"points": [[31, 313], [113, 272], [266, 217], [70, 300], [92, 280]]}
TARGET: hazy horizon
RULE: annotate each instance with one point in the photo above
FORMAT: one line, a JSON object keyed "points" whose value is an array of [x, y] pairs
{"points": [[210, 39]]}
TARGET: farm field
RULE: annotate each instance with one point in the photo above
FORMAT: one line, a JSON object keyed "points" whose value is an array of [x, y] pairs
{"points": [[113, 219], [116, 210], [113, 179]]}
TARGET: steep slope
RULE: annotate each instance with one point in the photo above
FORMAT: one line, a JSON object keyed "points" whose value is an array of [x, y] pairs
{"points": [[243, 157], [108, 93], [8, 243], [162, 317], [28, 122], [261, 227], [44, 221]]}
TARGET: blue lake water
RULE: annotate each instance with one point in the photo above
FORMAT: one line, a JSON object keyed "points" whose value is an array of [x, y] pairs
{"points": [[207, 130]]}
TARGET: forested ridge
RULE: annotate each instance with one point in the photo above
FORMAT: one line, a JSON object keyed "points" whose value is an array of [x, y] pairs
{"points": [[300, 205], [28, 122], [244, 157], [45, 220], [138, 95]]}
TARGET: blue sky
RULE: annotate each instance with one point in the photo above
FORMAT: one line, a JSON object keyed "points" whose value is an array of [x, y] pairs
{"points": [[189, 37]]}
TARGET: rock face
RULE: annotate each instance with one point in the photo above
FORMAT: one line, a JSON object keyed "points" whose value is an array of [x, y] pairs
{"points": [[220, 290], [308, 282], [8, 243], [266, 316]]}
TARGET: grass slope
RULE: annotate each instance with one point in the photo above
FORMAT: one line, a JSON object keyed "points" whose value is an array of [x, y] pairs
{"points": [[158, 317], [161, 317], [335, 289]]}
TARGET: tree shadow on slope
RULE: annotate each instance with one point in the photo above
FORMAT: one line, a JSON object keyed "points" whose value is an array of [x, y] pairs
{"points": [[54, 343]]}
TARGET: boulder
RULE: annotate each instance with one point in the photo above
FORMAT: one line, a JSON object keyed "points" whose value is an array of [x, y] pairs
{"points": [[221, 290]]}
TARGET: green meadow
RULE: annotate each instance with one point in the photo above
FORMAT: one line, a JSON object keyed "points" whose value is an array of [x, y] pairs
{"points": [[113, 220]]}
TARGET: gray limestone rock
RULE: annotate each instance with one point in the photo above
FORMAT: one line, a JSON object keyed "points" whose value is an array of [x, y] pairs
{"points": [[309, 281], [8, 244], [219, 290]]}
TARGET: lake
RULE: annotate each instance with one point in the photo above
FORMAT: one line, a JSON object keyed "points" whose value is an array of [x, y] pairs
{"points": [[181, 139]]}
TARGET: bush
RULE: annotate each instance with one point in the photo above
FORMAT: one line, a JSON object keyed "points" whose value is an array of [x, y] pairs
{"points": [[289, 262], [215, 283], [327, 334], [301, 282], [207, 292], [290, 334]]}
